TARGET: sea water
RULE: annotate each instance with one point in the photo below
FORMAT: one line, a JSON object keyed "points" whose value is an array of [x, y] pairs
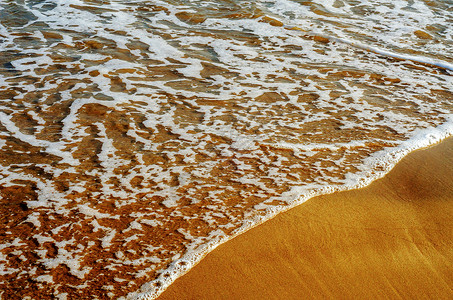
{"points": [[135, 136]]}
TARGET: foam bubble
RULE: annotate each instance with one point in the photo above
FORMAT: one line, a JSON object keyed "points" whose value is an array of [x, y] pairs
{"points": [[145, 135]]}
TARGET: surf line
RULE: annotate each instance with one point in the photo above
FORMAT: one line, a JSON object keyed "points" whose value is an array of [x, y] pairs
{"points": [[417, 59]]}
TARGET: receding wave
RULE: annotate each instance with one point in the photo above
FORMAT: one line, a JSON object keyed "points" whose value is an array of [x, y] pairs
{"points": [[135, 136]]}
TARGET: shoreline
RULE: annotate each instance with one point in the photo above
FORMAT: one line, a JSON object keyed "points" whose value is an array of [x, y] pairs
{"points": [[404, 205], [385, 161]]}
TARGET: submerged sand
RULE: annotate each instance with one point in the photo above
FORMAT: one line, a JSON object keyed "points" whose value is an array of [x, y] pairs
{"points": [[392, 239]]}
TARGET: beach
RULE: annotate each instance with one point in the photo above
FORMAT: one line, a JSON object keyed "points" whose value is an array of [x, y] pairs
{"points": [[391, 239], [138, 136]]}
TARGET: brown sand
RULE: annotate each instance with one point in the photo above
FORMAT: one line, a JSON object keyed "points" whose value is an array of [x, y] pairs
{"points": [[392, 239]]}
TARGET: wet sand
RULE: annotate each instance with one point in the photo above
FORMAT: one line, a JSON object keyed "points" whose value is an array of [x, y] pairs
{"points": [[392, 239]]}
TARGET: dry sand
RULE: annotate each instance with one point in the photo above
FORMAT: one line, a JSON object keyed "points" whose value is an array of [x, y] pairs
{"points": [[392, 239]]}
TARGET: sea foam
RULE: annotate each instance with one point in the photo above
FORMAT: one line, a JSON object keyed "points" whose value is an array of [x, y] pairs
{"points": [[140, 136]]}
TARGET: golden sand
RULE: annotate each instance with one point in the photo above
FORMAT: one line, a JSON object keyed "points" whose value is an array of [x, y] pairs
{"points": [[392, 239]]}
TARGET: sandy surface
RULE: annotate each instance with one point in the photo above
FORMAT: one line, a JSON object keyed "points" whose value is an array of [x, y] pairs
{"points": [[392, 239]]}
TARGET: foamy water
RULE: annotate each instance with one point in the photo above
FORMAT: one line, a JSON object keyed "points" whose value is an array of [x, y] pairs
{"points": [[135, 136]]}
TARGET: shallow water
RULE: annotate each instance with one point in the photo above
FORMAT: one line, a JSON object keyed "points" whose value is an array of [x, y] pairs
{"points": [[137, 135]]}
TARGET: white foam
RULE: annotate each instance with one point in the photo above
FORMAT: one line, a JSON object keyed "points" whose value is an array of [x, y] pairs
{"points": [[385, 159], [91, 212], [51, 147], [417, 59], [250, 59]]}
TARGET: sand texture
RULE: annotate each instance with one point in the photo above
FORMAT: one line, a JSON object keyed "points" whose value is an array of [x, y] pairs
{"points": [[392, 239]]}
